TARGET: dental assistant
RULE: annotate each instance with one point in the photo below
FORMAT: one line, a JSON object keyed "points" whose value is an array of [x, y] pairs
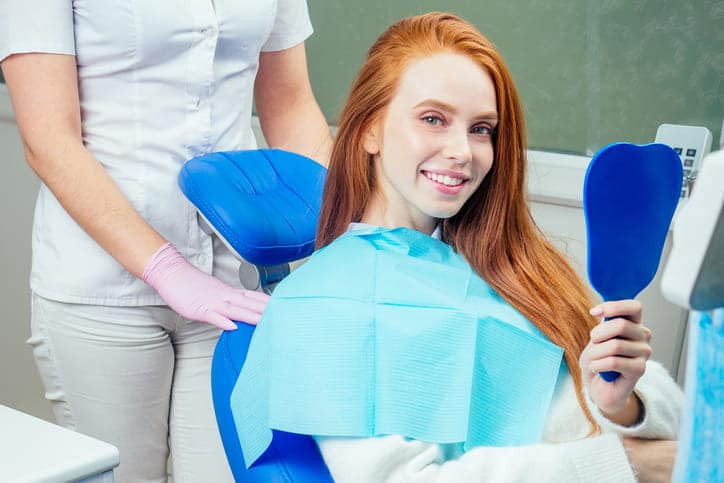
{"points": [[130, 289]]}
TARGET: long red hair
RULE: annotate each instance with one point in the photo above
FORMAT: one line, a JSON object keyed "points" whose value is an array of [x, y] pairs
{"points": [[494, 230]]}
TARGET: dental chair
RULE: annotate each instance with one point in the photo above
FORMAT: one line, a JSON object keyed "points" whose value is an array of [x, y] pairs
{"points": [[694, 279], [264, 206]]}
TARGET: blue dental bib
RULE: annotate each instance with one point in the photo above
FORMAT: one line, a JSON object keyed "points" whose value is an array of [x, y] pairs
{"points": [[389, 331]]}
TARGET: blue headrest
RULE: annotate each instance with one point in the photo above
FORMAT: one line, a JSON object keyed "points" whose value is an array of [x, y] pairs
{"points": [[263, 203]]}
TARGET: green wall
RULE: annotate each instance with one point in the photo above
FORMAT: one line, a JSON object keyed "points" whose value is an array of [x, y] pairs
{"points": [[590, 72]]}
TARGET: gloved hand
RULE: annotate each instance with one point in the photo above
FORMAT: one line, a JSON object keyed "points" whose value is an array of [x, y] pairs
{"points": [[198, 296]]}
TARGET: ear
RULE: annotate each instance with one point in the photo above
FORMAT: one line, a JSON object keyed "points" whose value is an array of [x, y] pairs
{"points": [[372, 140]]}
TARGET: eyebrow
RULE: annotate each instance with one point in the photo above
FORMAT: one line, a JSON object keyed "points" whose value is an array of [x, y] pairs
{"points": [[489, 116]]}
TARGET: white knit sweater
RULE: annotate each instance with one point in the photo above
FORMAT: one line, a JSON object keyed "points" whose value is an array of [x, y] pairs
{"points": [[565, 454]]}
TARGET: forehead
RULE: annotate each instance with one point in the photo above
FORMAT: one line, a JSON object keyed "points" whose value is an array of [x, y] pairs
{"points": [[448, 77]]}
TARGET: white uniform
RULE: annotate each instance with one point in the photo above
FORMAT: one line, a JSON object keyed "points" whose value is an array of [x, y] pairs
{"points": [[160, 82]]}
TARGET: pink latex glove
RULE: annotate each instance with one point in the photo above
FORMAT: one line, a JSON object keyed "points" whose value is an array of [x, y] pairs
{"points": [[198, 296]]}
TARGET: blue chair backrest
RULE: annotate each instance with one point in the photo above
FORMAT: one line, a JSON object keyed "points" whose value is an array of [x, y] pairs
{"points": [[264, 204], [290, 457]]}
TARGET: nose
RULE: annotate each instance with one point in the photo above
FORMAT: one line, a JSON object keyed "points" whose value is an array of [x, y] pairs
{"points": [[457, 147]]}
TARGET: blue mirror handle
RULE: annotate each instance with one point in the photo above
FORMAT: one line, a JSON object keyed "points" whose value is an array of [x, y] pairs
{"points": [[609, 376]]}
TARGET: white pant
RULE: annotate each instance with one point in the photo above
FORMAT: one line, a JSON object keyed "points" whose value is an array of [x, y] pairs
{"points": [[136, 377]]}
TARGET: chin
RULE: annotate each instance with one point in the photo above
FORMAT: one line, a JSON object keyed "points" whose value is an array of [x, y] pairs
{"points": [[443, 214]]}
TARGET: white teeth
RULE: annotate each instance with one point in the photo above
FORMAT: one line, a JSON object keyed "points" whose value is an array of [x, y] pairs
{"points": [[446, 180]]}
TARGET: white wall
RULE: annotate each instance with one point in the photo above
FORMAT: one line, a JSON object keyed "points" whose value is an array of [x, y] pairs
{"points": [[555, 183], [20, 386]]}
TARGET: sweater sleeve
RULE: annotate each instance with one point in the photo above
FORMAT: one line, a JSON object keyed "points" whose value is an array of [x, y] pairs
{"points": [[662, 400], [394, 459]]}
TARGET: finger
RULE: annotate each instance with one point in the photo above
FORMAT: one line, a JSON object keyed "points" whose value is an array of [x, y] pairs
{"points": [[219, 321], [585, 357], [628, 309], [619, 348], [631, 368], [620, 327], [254, 295], [241, 314], [240, 300], [243, 296], [585, 365]]}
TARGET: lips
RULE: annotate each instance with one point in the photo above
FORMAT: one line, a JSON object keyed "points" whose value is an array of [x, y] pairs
{"points": [[446, 182], [446, 178]]}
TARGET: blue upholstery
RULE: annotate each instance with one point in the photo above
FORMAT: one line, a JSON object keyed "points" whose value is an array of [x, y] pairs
{"points": [[264, 204], [290, 457]]}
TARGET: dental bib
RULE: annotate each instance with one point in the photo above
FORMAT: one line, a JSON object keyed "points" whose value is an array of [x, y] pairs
{"points": [[389, 331]]}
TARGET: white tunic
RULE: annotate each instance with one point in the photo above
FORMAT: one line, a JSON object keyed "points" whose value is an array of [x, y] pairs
{"points": [[160, 82]]}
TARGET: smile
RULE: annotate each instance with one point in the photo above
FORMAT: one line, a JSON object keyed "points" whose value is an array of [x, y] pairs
{"points": [[444, 179]]}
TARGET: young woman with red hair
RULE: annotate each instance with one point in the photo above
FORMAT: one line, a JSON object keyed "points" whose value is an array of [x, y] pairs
{"points": [[431, 148]]}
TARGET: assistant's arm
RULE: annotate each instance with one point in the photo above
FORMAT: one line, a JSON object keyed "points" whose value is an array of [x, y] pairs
{"points": [[44, 92], [288, 111]]}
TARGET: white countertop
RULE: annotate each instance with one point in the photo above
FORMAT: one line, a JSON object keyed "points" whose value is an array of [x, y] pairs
{"points": [[33, 450]]}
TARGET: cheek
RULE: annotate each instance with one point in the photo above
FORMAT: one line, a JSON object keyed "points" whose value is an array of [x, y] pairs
{"points": [[484, 159], [406, 139]]}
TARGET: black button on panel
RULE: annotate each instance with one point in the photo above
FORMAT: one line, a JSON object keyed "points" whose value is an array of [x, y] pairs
{"points": [[688, 162], [691, 152], [678, 151]]}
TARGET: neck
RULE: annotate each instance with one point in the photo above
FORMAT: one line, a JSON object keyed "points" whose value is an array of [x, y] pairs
{"points": [[378, 213]]}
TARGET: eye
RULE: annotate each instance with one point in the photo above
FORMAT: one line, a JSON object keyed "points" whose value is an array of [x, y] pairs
{"points": [[482, 130], [433, 120]]}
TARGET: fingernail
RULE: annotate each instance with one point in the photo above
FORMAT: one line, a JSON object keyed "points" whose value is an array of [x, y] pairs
{"points": [[598, 310]]}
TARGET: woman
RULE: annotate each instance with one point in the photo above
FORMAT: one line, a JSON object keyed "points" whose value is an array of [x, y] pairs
{"points": [[111, 98], [427, 253]]}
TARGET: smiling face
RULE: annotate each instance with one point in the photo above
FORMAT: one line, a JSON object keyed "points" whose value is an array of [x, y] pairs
{"points": [[434, 145]]}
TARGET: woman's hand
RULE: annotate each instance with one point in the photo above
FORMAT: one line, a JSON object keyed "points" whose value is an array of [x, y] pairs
{"points": [[653, 460], [198, 296], [619, 344]]}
